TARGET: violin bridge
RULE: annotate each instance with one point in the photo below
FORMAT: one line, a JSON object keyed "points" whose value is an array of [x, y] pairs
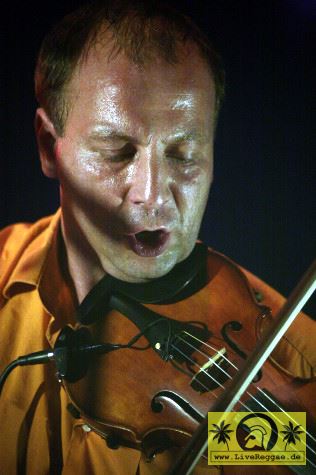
{"points": [[212, 374]]}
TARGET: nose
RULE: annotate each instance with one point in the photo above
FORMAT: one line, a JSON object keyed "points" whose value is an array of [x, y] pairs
{"points": [[151, 180]]}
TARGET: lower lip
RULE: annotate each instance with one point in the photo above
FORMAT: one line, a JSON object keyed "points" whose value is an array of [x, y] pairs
{"points": [[145, 249]]}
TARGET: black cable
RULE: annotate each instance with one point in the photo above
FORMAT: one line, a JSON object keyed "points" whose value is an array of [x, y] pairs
{"points": [[45, 356], [7, 371], [32, 358]]}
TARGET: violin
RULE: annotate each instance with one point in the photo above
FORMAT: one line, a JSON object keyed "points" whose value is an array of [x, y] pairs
{"points": [[159, 358]]}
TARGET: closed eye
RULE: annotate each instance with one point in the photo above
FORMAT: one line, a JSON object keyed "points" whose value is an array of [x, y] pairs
{"points": [[127, 152], [181, 152]]}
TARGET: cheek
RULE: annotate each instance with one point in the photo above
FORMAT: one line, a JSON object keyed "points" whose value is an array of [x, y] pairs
{"points": [[193, 189], [88, 181], [196, 199]]}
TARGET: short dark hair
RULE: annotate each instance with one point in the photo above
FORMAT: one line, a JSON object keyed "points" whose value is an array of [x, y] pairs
{"points": [[138, 28]]}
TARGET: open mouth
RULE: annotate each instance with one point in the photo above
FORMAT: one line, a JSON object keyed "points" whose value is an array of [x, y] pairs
{"points": [[149, 243]]}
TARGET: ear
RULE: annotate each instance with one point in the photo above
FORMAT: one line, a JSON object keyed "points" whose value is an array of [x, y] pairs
{"points": [[46, 140]]}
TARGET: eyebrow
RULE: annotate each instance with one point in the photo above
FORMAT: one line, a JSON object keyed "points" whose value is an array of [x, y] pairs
{"points": [[104, 132], [187, 136]]}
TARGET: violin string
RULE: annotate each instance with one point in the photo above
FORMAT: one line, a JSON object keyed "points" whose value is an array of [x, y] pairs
{"points": [[227, 374], [308, 434], [211, 377], [282, 410], [241, 402], [252, 384], [237, 369], [244, 405], [222, 370], [247, 408], [190, 360], [216, 364], [230, 377], [246, 392], [201, 368], [201, 342]]}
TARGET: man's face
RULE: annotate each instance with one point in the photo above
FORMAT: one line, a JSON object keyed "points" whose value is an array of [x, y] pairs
{"points": [[135, 162]]}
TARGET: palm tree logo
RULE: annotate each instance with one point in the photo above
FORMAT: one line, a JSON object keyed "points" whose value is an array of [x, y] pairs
{"points": [[291, 434], [221, 433]]}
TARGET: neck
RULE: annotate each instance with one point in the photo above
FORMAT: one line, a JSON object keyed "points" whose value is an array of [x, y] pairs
{"points": [[83, 265]]}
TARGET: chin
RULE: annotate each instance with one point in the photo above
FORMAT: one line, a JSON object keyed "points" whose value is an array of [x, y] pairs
{"points": [[143, 269], [150, 272]]}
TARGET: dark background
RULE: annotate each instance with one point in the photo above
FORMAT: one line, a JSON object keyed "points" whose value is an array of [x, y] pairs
{"points": [[261, 210]]}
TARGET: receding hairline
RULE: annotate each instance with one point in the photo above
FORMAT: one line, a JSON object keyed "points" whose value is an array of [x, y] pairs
{"points": [[104, 41], [142, 41]]}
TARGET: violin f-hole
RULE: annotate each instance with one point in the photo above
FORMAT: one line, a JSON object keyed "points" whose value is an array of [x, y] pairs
{"points": [[236, 326]]}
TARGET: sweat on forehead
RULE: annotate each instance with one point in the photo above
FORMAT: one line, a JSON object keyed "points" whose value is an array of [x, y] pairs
{"points": [[147, 76], [118, 87], [104, 52], [140, 29]]}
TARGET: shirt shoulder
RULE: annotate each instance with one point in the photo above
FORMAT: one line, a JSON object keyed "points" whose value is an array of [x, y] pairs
{"points": [[15, 242], [295, 353], [16, 236]]}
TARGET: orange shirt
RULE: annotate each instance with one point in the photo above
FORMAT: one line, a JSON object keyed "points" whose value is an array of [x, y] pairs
{"points": [[38, 435]]}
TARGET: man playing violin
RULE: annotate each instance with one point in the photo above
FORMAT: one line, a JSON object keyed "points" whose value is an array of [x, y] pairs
{"points": [[129, 96]]}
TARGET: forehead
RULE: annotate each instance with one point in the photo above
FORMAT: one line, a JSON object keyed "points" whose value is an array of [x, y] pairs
{"points": [[102, 84]]}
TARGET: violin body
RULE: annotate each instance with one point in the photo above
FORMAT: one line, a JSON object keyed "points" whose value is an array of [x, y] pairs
{"points": [[145, 400]]}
